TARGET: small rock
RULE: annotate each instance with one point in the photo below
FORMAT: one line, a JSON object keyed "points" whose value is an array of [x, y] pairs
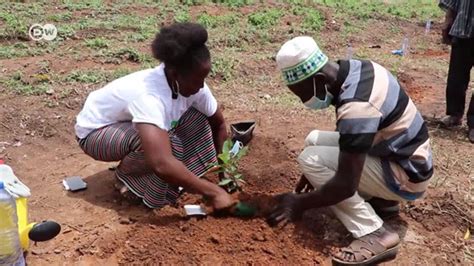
{"points": [[214, 239], [268, 251], [133, 219], [259, 237], [57, 251], [124, 221], [68, 230], [249, 248], [38, 252], [50, 92], [152, 226], [267, 96], [17, 144]]}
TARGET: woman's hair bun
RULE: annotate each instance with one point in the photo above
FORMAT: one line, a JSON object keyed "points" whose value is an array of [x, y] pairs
{"points": [[177, 44]]}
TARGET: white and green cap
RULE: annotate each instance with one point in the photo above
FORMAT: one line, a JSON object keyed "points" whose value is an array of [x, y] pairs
{"points": [[299, 58]]}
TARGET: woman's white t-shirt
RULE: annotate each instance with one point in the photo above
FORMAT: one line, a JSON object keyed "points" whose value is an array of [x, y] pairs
{"points": [[140, 97]]}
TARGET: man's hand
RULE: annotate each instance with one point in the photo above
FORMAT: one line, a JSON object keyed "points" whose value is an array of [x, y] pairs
{"points": [[303, 185], [446, 38], [287, 210], [448, 23]]}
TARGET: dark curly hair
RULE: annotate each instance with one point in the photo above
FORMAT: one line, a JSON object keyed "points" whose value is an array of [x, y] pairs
{"points": [[181, 46]]}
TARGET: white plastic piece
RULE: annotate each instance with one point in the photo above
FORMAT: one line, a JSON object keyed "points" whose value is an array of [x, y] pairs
{"points": [[194, 210]]}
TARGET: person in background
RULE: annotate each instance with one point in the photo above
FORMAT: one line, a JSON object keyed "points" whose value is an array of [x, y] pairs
{"points": [[380, 151], [163, 124], [458, 31]]}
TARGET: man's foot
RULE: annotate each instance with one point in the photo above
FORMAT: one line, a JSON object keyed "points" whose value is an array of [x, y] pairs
{"points": [[376, 247], [470, 134], [385, 209], [451, 121]]}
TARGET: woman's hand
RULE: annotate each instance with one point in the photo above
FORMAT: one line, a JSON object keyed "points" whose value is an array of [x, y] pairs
{"points": [[222, 201]]}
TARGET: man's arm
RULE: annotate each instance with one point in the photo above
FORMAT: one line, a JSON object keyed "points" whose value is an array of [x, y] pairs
{"points": [[450, 7], [342, 186]]}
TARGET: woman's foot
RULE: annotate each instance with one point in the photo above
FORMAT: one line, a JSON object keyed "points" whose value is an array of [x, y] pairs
{"points": [[127, 193], [376, 247]]}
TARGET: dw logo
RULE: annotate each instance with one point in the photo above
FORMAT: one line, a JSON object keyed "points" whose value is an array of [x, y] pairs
{"points": [[39, 32]]}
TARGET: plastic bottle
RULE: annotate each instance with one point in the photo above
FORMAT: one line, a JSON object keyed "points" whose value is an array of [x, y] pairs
{"points": [[428, 27], [405, 46], [10, 249]]}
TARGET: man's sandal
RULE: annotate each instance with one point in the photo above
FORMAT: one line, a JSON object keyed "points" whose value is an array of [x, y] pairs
{"points": [[366, 250]]}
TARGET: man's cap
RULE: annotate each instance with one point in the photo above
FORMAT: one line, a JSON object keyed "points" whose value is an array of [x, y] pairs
{"points": [[300, 58]]}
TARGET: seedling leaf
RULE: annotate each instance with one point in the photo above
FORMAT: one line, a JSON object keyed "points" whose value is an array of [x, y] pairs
{"points": [[225, 182]]}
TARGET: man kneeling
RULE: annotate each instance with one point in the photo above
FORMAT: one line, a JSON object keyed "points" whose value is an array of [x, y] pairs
{"points": [[380, 151]]}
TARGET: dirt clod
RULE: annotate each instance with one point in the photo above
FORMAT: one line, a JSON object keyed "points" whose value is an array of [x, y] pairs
{"points": [[214, 239]]}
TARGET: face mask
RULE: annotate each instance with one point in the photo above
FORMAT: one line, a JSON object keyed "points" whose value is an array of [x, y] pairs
{"points": [[316, 103]]}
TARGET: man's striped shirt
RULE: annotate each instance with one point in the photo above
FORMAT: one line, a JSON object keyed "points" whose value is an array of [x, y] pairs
{"points": [[463, 25], [376, 116]]}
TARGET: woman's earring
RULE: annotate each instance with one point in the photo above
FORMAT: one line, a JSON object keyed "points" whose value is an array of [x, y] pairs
{"points": [[177, 87], [175, 90]]}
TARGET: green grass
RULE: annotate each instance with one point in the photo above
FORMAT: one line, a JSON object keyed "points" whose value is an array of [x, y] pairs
{"points": [[98, 76], [60, 17], [124, 54], [182, 15], [286, 99], [15, 83], [84, 4], [21, 49], [97, 43], [213, 21], [223, 66], [234, 3], [266, 18], [313, 20], [365, 9], [86, 76]]}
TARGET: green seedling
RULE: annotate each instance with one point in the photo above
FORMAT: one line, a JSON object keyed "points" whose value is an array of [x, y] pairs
{"points": [[228, 165]]}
